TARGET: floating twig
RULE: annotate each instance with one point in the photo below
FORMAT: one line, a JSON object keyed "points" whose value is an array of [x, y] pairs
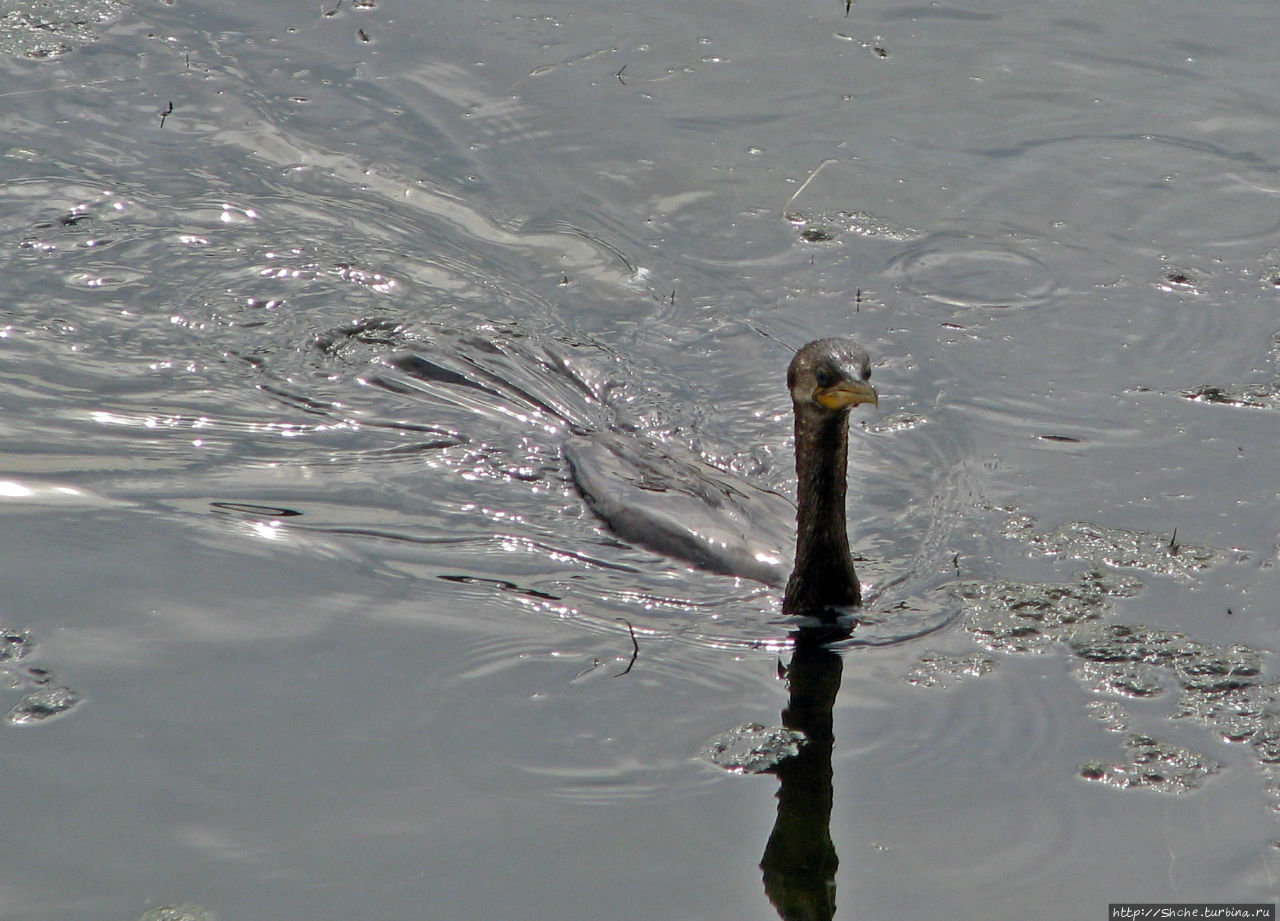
{"points": [[635, 648], [804, 185], [165, 114]]}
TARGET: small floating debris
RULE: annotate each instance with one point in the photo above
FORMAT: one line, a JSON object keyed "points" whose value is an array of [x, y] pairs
{"points": [[14, 644], [1256, 396], [1061, 439], [1178, 280], [1154, 764], [815, 234], [44, 698], [751, 748]]}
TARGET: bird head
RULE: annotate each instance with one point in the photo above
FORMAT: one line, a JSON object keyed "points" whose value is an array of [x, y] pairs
{"points": [[831, 376]]}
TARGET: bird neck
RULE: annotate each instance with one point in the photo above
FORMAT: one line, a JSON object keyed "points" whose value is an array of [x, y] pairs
{"points": [[823, 576]]}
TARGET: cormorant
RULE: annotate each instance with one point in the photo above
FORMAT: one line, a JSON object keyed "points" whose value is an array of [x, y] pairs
{"points": [[672, 502]]}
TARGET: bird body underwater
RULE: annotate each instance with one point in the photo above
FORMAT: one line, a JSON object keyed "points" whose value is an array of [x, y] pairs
{"points": [[683, 507]]}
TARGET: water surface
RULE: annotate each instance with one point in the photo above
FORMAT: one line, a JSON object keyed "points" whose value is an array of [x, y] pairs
{"points": [[303, 302]]}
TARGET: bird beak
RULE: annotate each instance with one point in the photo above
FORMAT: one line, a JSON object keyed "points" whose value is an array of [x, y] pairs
{"points": [[846, 394]]}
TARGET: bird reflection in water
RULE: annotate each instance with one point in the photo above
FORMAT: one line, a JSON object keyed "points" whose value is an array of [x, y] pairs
{"points": [[800, 861]]}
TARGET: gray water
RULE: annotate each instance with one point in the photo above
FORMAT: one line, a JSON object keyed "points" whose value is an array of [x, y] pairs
{"points": [[306, 618]]}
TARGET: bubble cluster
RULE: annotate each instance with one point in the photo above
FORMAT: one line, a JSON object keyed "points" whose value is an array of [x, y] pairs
{"points": [[1027, 617], [182, 912], [1119, 547], [751, 748], [1221, 687], [939, 669], [1153, 764]]}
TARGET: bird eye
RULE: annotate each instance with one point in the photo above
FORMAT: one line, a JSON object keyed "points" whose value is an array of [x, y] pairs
{"points": [[823, 377]]}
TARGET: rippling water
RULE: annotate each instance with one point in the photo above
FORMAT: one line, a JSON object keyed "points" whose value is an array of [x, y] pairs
{"points": [[305, 618]]}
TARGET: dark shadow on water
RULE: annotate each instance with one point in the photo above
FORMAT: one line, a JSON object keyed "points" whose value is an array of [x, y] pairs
{"points": [[800, 860]]}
